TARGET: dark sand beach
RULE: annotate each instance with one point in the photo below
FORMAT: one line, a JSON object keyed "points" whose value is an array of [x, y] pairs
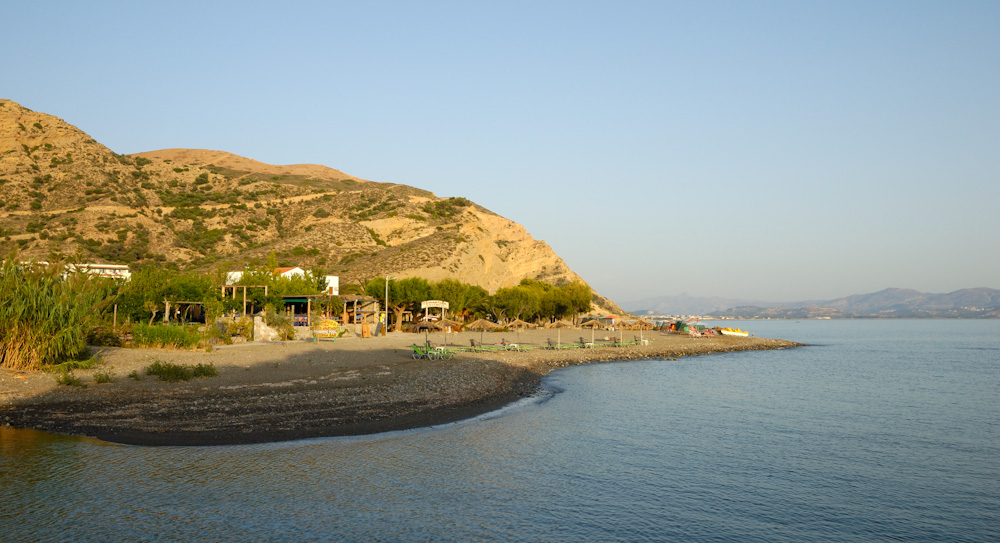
{"points": [[295, 390]]}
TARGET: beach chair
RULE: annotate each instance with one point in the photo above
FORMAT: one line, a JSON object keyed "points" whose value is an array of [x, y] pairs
{"points": [[482, 348], [420, 352]]}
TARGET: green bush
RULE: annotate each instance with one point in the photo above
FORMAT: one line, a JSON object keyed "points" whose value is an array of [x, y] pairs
{"points": [[282, 324], [205, 370], [71, 365], [102, 377], [169, 372], [68, 379], [104, 337], [164, 336], [242, 326], [173, 373]]}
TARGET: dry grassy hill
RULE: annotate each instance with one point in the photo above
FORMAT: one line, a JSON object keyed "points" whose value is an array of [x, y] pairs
{"points": [[62, 194]]}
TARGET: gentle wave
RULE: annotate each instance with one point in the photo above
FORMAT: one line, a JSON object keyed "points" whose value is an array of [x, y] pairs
{"points": [[879, 431]]}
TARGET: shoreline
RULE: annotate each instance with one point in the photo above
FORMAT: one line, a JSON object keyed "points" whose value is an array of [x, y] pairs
{"points": [[300, 390]]}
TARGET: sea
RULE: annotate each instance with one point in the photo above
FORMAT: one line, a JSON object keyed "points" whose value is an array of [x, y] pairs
{"points": [[877, 430]]}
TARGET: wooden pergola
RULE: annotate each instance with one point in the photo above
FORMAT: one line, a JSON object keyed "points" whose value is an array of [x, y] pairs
{"points": [[244, 287], [359, 308], [308, 299]]}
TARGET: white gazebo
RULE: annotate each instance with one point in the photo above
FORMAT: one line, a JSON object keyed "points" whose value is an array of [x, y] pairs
{"points": [[427, 305]]}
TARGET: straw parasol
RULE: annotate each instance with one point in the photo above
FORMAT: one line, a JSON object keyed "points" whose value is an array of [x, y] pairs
{"points": [[482, 324], [559, 324], [448, 323], [426, 327], [518, 323]]}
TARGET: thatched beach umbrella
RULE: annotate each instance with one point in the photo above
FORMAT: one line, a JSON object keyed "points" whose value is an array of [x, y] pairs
{"points": [[482, 324], [427, 327], [448, 323], [593, 325], [518, 323], [559, 324]]}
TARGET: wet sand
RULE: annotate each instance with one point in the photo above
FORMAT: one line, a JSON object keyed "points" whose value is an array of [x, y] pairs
{"points": [[295, 390]]}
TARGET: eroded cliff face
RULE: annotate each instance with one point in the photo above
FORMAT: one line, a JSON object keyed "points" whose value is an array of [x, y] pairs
{"points": [[64, 194], [493, 252]]}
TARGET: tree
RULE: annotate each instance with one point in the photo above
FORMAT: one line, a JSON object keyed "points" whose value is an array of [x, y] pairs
{"points": [[142, 297], [580, 297], [516, 302], [404, 294], [460, 296]]}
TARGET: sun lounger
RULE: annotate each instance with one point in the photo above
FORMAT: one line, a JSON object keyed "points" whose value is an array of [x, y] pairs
{"points": [[553, 345], [483, 348], [433, 353]]}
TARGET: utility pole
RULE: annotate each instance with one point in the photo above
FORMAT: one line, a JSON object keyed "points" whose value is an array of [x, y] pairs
{"points": [[387, 305]]}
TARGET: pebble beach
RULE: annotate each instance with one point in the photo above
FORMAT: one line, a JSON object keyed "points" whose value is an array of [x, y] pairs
{"points": [[295, 390]]}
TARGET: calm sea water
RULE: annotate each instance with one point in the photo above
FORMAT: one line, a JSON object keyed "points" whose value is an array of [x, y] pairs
{"points": [[878, 431]]}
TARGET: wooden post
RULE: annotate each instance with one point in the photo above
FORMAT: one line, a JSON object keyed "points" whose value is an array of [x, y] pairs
{"points": [[309, 312], [166, 311], [114, 325], [244, 299]]}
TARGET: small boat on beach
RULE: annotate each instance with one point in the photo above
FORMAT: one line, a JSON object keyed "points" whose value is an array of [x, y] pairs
{"points": [[733, 332]]}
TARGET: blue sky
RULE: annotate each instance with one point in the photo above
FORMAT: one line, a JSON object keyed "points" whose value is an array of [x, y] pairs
{"points": [[760, 150]]}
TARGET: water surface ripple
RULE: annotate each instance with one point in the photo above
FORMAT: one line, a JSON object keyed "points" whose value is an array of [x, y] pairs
{"points": [[878, 431]]}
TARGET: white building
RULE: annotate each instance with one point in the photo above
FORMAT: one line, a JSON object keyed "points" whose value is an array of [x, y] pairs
{"points": [[112, 271], [332, 281]]}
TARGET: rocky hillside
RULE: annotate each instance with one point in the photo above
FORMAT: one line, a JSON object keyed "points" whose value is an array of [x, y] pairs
{"points": [[62, 194]]}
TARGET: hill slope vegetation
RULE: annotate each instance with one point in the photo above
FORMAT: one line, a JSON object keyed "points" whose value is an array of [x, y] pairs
{"points": [[64, 195]]}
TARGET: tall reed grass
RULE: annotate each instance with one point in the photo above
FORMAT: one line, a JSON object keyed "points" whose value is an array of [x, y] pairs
{"points": [[44, 316]]}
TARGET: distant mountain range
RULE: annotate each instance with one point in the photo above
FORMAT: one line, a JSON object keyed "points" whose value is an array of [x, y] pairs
{"points": [[888, 303]]}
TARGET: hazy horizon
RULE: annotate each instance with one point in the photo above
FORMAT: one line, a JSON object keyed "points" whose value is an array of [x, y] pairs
{"points": [[767, 151], [683, 295]]}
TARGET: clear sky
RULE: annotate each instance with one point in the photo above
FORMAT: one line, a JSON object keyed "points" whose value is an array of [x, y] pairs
{"points": [[761, 150]]}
